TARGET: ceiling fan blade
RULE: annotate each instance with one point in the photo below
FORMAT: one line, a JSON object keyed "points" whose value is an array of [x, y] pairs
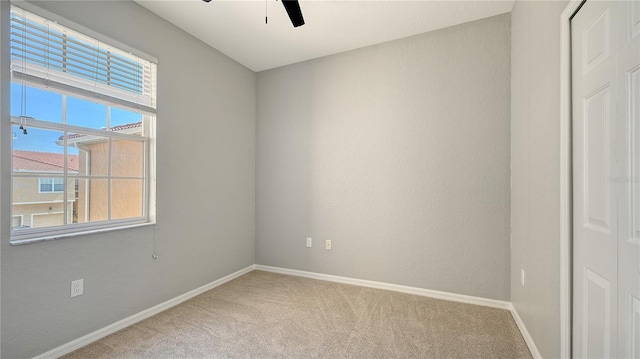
{"points": [[295, 14]]}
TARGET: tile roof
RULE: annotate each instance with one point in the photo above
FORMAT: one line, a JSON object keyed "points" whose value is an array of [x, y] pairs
{"points": [[43, 161]]}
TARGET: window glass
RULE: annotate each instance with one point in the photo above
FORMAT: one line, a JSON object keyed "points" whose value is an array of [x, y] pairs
{"points": [[86, 113], [58, 184], [51, 184], [120, 117], [92, 202], [127, 158], [80, 152], [92, 153], [34, 200], [126, 198], [40, 104], [46, 185]]}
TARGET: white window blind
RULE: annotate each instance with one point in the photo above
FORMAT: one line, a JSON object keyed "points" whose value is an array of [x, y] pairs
{"points": [[48, 54]]}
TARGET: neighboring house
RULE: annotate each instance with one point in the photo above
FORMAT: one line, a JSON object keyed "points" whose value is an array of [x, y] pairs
{"points": [[127, 166], [39, 201]]}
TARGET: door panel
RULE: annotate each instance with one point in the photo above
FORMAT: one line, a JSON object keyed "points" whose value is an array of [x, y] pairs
{"points": [[606, 184], [597, 41], [597, 153], [628, 103], [633, 22], [633, 313], [597, 314]]}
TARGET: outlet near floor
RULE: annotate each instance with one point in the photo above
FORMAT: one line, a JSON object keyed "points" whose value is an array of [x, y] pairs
{"points": [[522, 277], [327, 244], [77, 287], [309, 242]]}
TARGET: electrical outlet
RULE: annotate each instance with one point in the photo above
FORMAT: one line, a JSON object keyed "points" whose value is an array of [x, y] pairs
{"points": [[522, 277], [77, 287], [327, 244], [309, 242]]}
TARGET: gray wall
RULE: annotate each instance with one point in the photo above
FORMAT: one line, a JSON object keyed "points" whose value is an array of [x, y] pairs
{"points": [[399, 154], [535, 161], [205, 201]]}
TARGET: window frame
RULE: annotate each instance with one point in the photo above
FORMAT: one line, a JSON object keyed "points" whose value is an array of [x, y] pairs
{"points": [[148, 137]]}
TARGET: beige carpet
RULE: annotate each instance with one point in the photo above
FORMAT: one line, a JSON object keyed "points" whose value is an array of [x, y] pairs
{"points": [[267, 315]]}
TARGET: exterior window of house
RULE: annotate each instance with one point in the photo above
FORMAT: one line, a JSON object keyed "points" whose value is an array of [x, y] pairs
{"points": [[83, 123], [51, 185]]}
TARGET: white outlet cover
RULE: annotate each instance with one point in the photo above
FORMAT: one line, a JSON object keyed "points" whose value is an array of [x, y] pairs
{"points": [[327, 244], [522, 277], [77, 287], [309, 242]]}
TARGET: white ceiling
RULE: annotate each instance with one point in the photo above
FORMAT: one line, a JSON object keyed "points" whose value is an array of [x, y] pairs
{"points": [[237, 27]]}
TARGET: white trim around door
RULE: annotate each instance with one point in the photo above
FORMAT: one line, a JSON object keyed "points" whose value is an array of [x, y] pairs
{"points": [[565, 177]]}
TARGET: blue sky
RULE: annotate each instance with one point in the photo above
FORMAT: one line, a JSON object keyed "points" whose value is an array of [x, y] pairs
{"points": [[47, 106]]}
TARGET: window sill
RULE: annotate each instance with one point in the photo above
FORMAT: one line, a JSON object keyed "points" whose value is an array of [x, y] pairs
{"points": [[18, 240]]}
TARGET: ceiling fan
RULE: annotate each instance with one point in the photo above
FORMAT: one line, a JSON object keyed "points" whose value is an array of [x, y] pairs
{"points": [[293, 10]]}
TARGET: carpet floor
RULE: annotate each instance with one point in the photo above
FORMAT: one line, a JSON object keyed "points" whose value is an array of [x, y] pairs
{"points": [[268, 315]]}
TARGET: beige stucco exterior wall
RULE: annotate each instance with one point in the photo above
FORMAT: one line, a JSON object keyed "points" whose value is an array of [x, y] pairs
{"points": [[126, 193], [39, 209]]}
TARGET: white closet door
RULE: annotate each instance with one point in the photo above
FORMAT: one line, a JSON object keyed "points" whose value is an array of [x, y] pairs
{"points": [[628, 101], [606, 170]]}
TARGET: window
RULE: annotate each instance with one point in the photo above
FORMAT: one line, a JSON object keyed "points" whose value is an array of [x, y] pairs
{"points": [[83, 121], [51, 185]]}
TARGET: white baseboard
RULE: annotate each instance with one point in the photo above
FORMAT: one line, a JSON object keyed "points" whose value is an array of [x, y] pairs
{"points": [[394, 287], [525, 334], [417, 291], [121, 324]]}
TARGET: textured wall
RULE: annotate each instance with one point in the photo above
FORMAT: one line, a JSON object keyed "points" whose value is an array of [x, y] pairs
{"points": [[205, 201], [535, 164], [399, 154]]}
